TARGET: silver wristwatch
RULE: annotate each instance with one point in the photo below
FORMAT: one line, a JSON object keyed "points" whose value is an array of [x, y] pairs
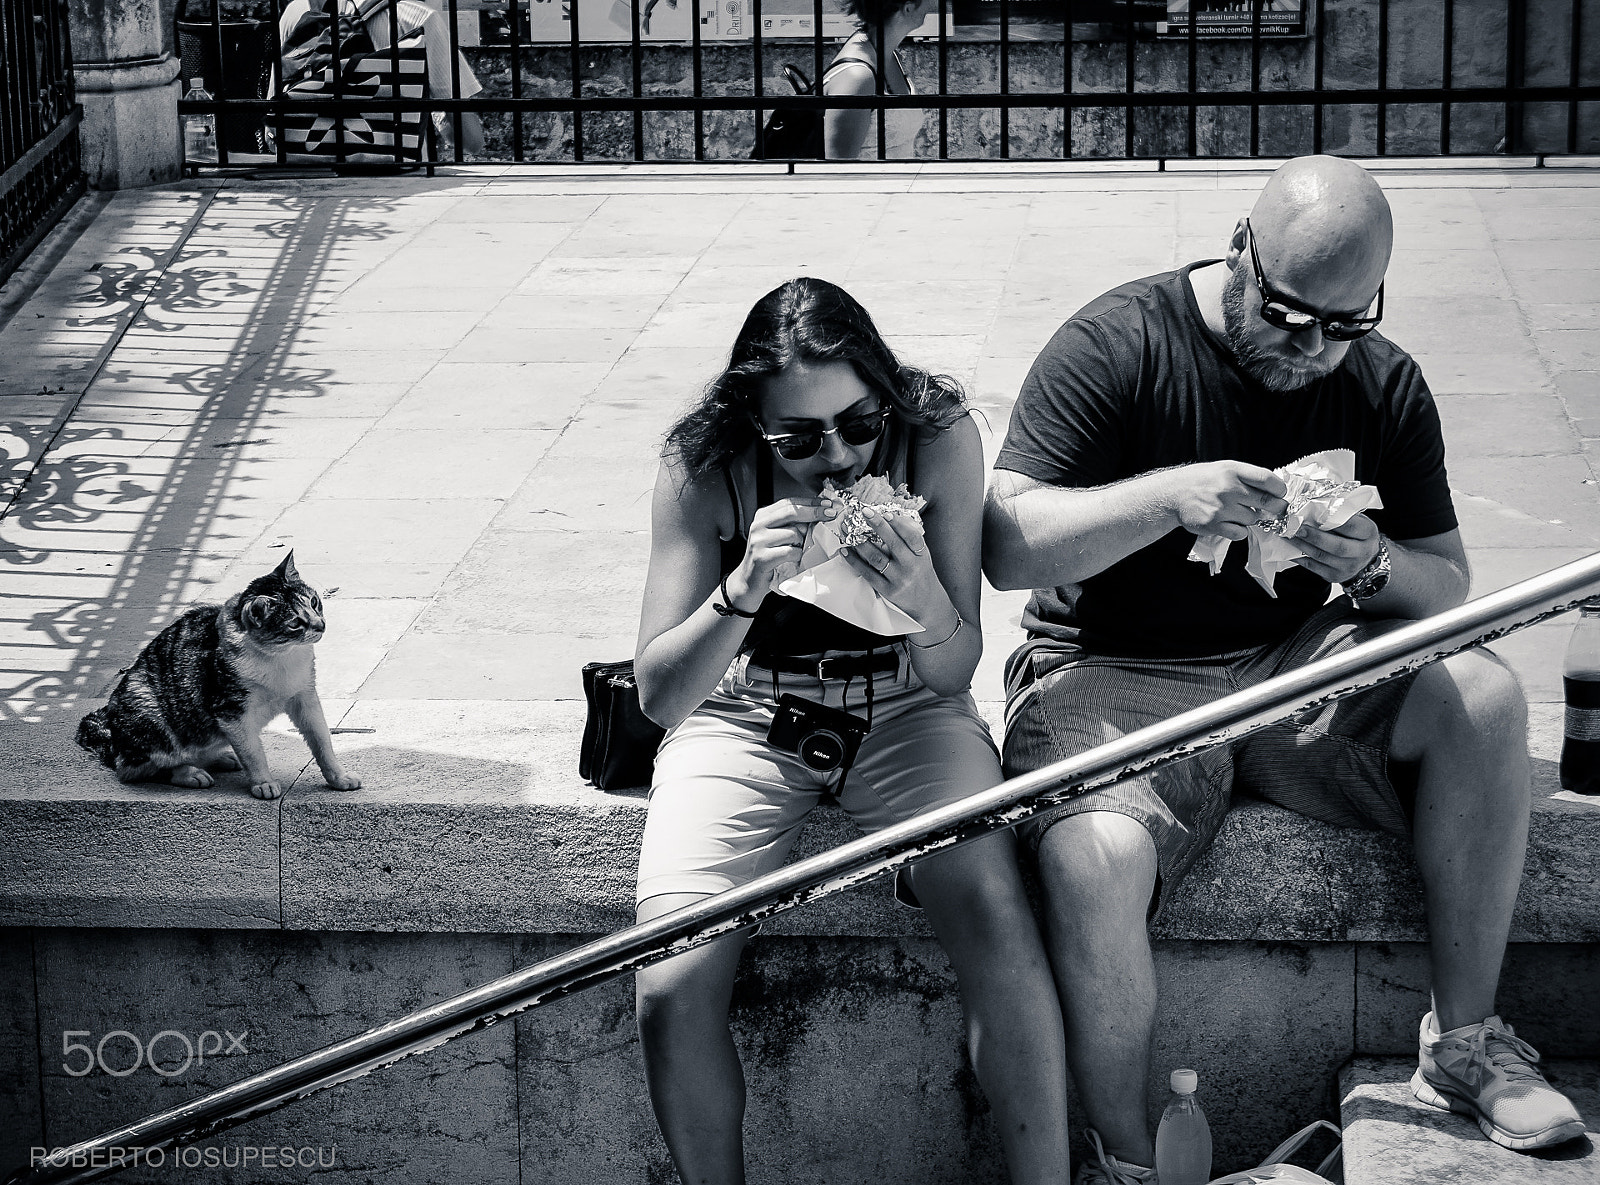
{"points": [[1372, 579]]}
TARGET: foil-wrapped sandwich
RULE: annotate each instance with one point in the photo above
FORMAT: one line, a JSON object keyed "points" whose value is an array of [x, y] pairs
{"points": [[826, 578], [1322, 490]]}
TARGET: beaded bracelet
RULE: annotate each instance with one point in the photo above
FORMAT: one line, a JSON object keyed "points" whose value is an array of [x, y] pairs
{"points": [[729, 609], [942, 641]]}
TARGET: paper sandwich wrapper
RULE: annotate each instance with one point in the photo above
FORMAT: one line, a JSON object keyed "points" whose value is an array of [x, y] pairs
{"points": [[827, 580], [1323, 491]]}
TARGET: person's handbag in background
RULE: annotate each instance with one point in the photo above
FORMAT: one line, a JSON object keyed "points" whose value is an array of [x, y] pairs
{"points": [[789, 132], [619, 740]]}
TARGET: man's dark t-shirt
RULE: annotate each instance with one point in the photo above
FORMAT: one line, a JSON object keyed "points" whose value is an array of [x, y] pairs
{"points": [[1135, 382]]}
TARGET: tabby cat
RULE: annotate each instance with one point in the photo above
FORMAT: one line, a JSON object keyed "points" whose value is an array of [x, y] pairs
{"points": [[203, 689]]}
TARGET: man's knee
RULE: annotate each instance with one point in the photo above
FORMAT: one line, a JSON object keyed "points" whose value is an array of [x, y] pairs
{"points": [[1099, 856], [1471, 699]]}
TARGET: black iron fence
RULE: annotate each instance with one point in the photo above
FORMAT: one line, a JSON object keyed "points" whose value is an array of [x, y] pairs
{"points": [[39, 163], [414, 81]]}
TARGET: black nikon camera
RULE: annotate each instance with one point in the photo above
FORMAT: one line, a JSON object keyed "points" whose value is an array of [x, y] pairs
{"points": [[825, 738]]}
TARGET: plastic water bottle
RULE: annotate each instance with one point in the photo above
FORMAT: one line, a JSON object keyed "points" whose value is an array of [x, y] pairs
{"points": [[199, 131], [1183, 1141], [1580, 678]]}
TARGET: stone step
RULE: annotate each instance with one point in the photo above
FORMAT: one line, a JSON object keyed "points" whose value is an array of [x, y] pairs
{"points": [[1392, 1139]]}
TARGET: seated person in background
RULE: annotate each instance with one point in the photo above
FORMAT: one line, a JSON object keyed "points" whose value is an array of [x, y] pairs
{"points": [[1155, 415], [411, 18], [850, 133], [811, 392]]}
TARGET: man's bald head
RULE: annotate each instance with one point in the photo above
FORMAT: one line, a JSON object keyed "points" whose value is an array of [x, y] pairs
{"points": [[1324, 233]]}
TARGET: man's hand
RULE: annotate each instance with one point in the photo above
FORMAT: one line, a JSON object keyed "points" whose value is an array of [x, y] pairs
{"points": [[1224, 497], [1339, 554]]}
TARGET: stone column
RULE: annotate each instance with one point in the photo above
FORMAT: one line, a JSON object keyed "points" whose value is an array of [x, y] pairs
{"points": [[128, 84]]}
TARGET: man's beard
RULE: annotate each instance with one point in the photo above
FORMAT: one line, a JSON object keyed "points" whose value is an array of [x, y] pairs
{"points": [[1272, 373]]}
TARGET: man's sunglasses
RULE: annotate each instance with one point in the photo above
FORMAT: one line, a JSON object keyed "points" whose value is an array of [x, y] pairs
{"points": [[797, 446], [1282, 313]]}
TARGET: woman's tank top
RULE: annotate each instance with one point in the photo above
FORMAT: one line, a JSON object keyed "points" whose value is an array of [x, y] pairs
{"points": [[784, 625], [900, 124]]}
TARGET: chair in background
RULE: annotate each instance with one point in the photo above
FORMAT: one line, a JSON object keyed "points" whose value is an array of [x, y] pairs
{"points": [[371, 132]]}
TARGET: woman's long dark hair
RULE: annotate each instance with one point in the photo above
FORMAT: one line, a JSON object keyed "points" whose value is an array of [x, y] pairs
{"points": [[812, 322]]}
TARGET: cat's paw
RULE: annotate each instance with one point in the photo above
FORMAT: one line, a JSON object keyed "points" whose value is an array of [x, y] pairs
{"points": [[266, 790], [190, 776], [228, 762], [340, 780]]}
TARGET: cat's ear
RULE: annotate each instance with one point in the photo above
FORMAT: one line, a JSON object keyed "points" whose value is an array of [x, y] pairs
{"points": [[255, 612], [286, 570]]}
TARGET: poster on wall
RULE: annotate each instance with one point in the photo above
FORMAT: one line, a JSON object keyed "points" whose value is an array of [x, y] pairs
{"points": [[796, 18], [1233, 18], [659, 20]]}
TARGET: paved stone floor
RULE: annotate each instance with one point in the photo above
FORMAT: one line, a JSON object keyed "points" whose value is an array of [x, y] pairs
{"points": [[446, 395]]}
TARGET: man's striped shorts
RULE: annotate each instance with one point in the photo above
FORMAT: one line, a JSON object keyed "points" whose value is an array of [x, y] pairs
{"points": [[1331, 763]]}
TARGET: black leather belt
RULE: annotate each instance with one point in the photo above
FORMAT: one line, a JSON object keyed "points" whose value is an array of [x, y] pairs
{"points": [[844, 666]]}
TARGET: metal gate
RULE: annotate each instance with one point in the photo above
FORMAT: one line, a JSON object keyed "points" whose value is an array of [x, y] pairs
{"points": [[40, 173], [559, 81]]}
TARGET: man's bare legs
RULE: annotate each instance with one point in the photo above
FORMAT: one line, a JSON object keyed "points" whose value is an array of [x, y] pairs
{"points": [[1466, 721], [1098, 871]]}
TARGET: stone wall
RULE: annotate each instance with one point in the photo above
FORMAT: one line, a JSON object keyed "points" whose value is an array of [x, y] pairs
{"points": [[852, 1049]]}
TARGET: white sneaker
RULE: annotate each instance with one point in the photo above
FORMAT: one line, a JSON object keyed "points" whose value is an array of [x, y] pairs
{"points": [[1487, 1072], [1106, 1169]]}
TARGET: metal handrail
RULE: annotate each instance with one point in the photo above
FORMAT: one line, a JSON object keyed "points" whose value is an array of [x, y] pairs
{"points": [[1224, 721]]}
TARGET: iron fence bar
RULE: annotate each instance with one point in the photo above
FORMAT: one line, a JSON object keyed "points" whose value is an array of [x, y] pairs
{"points": [[514, 12], [1128, 76], [455, 78], [602, 103], [883, 89], [1514, 74], [697, 80], [219, 83], [577, 81], [1575, 74], [944, 77], [1193, 48], [755, 50], [638, 84], [1178, 738], [337, 7], [1383, 76], [1447, 74], [1066, 80], [397, 89], [275, 42], [1255, 76], [1005, 77], [817, 67], [1317, 50], [13, 130]]}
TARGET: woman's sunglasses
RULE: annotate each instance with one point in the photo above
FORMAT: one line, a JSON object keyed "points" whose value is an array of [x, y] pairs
{"points": [[1282, 313], [797, 446]]}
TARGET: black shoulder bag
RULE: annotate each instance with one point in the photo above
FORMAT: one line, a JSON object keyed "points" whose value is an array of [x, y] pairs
{"points": [[619, 740]]}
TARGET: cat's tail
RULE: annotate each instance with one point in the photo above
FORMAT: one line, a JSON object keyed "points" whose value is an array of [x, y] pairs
{"points": [[94, 734]]}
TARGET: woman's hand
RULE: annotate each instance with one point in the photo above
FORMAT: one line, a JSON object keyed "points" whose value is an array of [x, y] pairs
{"points": [[777, 536], [902, 570]]}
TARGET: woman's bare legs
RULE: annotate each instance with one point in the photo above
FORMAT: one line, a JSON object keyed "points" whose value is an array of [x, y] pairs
{"points": [[696, 1083], [975, 901]]}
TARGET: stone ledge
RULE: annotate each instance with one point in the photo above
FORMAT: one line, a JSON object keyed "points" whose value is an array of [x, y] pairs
{"points": [[476, 822], [1392, 1139]]}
